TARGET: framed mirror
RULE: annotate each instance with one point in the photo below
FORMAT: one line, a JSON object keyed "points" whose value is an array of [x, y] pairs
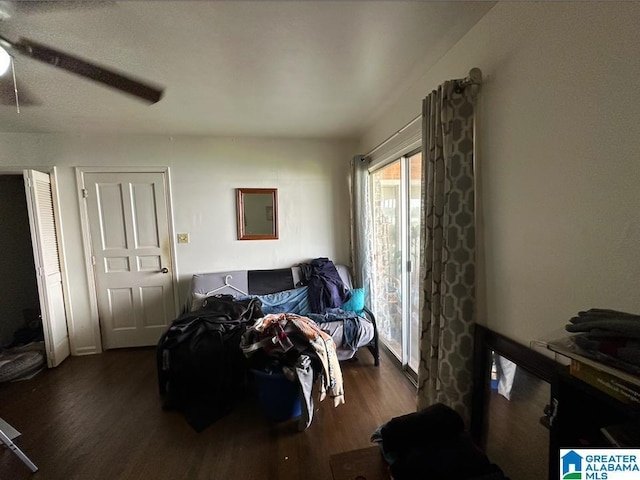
{"points": [[510, 413], [257, 212]]}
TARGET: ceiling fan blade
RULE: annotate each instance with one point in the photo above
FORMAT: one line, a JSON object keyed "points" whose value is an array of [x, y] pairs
{"points": [[37, 6], [9, 8], [92, 71]]}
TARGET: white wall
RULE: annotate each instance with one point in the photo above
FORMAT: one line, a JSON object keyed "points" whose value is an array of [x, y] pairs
{"points": [[558, 156], [311, 177]]}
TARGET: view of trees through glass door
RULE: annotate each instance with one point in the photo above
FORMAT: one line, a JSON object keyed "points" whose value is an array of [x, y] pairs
{"points": [[396, 193]]}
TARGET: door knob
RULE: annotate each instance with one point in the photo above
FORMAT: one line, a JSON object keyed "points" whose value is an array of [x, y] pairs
{"points": [[164, 270]]}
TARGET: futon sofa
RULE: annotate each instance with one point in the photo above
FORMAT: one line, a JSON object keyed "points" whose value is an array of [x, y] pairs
{"points": [[272, 286]]}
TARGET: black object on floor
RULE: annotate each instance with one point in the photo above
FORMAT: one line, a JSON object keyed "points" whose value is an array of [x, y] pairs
{"points": [[201, 369], [434, 441]]}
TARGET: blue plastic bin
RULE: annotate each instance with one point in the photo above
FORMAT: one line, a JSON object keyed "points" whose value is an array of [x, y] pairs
{"points": [[279, 397]]}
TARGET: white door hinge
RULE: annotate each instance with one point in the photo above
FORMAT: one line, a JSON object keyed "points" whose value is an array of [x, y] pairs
{"points": [[93, 259], [29, 183], [85, 193]]}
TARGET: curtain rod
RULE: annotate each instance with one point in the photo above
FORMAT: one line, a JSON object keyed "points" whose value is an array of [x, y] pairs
{"points": [[474, 78]]}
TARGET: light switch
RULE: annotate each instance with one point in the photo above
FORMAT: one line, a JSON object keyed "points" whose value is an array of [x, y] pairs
{"points": [[183, 238]]}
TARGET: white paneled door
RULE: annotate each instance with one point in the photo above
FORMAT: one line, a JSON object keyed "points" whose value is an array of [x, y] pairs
{"points": [[47, 262], [131, 255]]}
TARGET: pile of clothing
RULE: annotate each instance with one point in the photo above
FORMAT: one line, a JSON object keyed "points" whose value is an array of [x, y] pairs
{"points": [[296, 345], [327, 296], [293, 345], [205, 357], [433, 443], [326, 288], [609, 336], [201, 370]]}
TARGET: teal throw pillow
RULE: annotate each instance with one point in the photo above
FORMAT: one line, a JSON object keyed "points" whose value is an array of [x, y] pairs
{"points": [[355, 302]]}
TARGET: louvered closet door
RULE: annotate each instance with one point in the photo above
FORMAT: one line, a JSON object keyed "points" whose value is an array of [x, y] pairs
{"points": [[129, 225], [47, 261]]}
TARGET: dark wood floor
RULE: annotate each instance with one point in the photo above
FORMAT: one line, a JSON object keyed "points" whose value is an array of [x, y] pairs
{"points": [[99, 417]]}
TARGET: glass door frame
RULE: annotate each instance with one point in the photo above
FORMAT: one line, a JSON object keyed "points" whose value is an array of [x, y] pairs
{"points": [[407, 266]]}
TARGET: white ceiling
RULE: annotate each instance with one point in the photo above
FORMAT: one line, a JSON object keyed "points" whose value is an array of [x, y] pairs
{"points": [[236, 68]]}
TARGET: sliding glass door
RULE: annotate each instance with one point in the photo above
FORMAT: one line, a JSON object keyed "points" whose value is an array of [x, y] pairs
{"points": [[396, 194], [415, 198]]}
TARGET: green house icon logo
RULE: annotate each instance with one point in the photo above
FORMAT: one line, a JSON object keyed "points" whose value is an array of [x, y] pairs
{"points": [[571, 466]]}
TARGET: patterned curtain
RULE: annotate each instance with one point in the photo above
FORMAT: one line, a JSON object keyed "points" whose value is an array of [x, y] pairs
{"points": [[361, 227], [447, 270]]}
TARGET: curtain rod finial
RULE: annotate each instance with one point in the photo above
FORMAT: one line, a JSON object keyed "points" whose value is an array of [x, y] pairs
{"points": [[475, 75]]}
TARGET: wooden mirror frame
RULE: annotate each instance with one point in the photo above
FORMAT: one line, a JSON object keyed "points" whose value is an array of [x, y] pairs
{"points": [[535, 363], [271, 213]]}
